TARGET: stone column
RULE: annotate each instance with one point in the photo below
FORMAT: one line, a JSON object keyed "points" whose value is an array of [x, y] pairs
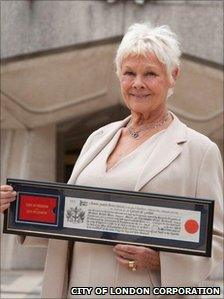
{"points": [[26, 154]]}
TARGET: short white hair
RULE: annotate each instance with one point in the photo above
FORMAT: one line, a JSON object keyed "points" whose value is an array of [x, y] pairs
{"points": [[142, 38]]}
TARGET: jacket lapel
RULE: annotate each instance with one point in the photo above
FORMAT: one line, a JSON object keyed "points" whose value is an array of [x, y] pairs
{"points": [[166, 150], [101, 139]]}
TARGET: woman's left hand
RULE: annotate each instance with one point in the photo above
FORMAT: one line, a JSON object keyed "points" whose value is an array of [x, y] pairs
{"points": [[143, 258]]}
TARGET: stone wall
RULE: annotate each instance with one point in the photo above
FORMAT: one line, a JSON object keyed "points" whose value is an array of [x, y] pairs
{"points": [[41, 90], [26, 154], [32, 26]]}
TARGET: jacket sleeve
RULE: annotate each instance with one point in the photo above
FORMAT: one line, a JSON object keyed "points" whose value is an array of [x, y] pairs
{"points": [[188, 270]]}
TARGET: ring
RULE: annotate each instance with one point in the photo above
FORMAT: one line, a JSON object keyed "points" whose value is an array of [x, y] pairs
{"points": [[132, 265]]}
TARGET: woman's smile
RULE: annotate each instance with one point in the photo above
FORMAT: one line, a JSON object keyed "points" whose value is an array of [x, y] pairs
{"points": [[139, 96]]}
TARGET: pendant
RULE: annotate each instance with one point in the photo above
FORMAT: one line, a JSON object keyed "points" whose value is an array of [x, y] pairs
{"points": [[134, 134]]}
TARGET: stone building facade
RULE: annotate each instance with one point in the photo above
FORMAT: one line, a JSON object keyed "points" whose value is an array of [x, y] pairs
{"points": [[58, 82]]}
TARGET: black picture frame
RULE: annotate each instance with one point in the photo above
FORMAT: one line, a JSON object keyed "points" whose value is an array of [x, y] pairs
{"points": [[45, 209]]}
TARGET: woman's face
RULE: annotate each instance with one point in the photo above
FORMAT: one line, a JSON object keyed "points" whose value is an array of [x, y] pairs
{"points": [[144, 83]]}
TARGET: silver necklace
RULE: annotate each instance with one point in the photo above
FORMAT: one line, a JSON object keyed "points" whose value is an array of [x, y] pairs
{"points": [[135, 134]]}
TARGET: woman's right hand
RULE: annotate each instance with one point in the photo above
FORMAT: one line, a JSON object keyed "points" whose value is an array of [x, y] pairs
{"points": [[7, 195]]}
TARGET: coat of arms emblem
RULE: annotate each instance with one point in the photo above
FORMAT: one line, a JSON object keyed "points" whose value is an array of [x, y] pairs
{"points": [[75, 215]]}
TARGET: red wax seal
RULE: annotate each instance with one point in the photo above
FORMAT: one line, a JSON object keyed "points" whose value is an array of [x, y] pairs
{"points": [[191, 226]]}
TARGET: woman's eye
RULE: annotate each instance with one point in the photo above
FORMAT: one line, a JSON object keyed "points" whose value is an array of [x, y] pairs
{"points": [[129, 73], [151, 74]]}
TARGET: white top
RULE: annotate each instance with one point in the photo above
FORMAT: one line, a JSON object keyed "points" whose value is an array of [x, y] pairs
{"points": [[123, 175]]}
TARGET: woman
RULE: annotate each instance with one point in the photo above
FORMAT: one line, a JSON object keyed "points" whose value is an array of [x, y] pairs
{"points": [[149, 151]]}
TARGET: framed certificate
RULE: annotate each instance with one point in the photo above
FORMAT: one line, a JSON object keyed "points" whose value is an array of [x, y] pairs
{"points": [[87, 214]]}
